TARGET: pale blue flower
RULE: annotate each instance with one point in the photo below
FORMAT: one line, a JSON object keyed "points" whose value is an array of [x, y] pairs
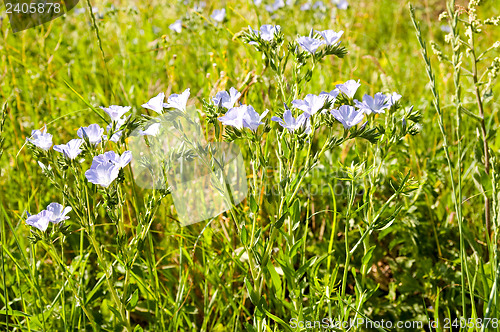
{"points": [[393, 98], [176, 26], [268, 31], [218, 15], [243, 116], [310, 104], [116, 112], [305, 7], [310, 44], [331, 96], [102, 174], [112, 157], [292, 124], [319, 5], [257, 2], [178, 101], [59, 212], [347, 115], [349, 88], [373, 105], [41, 139], [71, 149], [225, 99], [93, 133], [117, 134], [342, 4], [155, 103], [331, 37], [40, 220], [275, 6], [152, 130]]}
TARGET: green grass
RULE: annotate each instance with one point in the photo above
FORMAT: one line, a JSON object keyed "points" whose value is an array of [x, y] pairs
{"points": [[190, 278]]}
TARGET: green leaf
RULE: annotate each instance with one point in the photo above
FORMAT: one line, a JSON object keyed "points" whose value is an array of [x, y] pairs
{"points": [[254, 207], [132, 301], [138, 328], [251, 293], [275, 278], [13, 313]]}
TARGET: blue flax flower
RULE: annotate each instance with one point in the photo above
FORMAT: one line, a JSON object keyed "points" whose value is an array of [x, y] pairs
{"points": [[311, 103], [331, 37], [292, 124], [243, 116], [349, 88], [347, 115], [371, 105], [178, 101], [225, 99], [310, 44], [93, 133], [176, 26], [71, 149], [41, 139], [218, 15], [155, 103], [116, 112]]}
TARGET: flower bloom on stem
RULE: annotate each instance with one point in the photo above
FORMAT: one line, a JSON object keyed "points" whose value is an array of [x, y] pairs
{"points": [[292, 124], [243, 116], [347, 115], [55, 213], [93, 133], [41, 139], [393, 98], [71, 149], [225, 99], [267, 32], [40, 220], [373, 105], [102, 174], [117, 134], [342, 4], [310, 44], [113, 157], [178, 101], [218, 15], [331, 96], [275, 6], [349, 88], [155, 103], [331, 37], [311, 103], [176, 26], [116, 112], [152, 130], [59, 212]]}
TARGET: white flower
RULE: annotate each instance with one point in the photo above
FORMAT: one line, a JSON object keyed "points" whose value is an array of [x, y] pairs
{"points": [[152, 130], [178, 101], [155, 103]]}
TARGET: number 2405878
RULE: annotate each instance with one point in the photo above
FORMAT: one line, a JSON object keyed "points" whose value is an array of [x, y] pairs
{"points": [[32, 8]]}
